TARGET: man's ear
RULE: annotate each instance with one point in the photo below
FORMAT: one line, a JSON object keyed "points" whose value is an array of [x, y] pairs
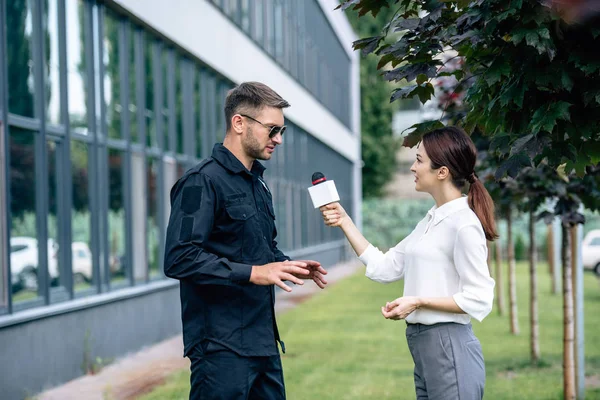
{"points": [[443, 173], [237, 124]]}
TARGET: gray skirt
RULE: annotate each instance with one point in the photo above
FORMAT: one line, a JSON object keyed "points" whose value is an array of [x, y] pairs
{"points": [[448, 361]]}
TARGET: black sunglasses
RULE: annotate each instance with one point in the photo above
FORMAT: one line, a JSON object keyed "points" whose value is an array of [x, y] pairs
{"points": [[273, 130]]}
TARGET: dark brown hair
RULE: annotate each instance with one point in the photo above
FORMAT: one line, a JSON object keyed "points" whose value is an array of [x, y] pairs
{"points": [[250, 98], [453, 148]]}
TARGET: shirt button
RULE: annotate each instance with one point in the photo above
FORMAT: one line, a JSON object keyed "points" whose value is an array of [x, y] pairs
{"points": [[244, 215], [264, 237]]}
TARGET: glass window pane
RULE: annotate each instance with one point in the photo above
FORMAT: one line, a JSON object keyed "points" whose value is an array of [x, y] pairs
{"points": [[81, 254], [150, 116], [50, 26], [245, 15], [165, 95], [179, 65], [199, 113], [219, 113], [138, 217], [257, 31], [112, 84], [24, 258], [170, 177], [279, 37], [133, 100], [4, 278], [153, 219], [77, 82], [55, 260], [116, 217], [269, 26], [20, 61]]}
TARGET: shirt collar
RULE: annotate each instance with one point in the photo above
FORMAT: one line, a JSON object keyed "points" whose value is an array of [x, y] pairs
{"points": [[447, 209], [230, 162]]}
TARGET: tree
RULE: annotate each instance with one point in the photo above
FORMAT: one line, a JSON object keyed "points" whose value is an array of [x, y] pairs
{"points": [[541, 108], [378, 144]]}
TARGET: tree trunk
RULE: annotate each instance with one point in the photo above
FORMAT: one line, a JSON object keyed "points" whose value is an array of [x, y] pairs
{"points": [[533, 306], [554, 288], [568, 328], [500, 303], [512, 277], [575, 271]]}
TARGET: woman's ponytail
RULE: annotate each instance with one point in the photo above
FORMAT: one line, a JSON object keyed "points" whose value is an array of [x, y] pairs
{"points": [[482, 205]]}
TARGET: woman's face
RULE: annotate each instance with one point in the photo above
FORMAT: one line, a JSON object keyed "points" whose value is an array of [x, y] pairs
{"points": [[425, 177]]}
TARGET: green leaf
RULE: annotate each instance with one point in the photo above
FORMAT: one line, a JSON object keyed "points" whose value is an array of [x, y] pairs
{"points": [[367, 45], [500, 143], [421, 78], [512, 166], [499, 68], [407, 24], [385, 60], [414, 137], [411, 71], [425, 92], [515, 93], [518, 35], [566, 81], [403, 93], [544, 119]]}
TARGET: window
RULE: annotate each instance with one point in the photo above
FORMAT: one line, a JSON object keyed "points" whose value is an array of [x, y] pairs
{"points": [[154, 238], [112, 75], [51, 71], [20, 63], [595, 241], [25, 263], [84, 275], [117, 257], [138, 217]]}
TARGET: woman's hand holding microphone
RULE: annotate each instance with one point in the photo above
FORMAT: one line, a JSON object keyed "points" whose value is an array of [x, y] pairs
{"points": [[334, 214]]}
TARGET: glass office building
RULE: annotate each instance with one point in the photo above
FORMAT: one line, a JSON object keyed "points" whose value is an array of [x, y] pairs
{"points": [[103, 105]]}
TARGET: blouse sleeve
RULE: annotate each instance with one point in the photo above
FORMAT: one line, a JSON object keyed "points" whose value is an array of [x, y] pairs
{"points": [[476, 286]]}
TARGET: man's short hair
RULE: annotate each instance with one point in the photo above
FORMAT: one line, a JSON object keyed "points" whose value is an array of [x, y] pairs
{"points": [[250, 98]]}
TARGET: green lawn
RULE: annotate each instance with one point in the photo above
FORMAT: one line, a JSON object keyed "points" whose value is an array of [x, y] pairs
{"points": [[340, 347]]}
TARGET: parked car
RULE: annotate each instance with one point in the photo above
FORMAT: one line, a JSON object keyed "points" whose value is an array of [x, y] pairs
{"points": [[24, 262], [82, 262], [590, 251]]}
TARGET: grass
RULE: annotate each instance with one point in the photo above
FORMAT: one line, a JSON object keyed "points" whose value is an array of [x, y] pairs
{"points": [[340, 347]]}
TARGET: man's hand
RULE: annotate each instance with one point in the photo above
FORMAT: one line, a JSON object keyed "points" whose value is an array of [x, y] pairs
{"points": [[316, 273], [277, 272], [400, 308]]}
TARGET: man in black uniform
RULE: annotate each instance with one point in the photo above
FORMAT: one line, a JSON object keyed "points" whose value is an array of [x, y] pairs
{"points": [[221, 247]]}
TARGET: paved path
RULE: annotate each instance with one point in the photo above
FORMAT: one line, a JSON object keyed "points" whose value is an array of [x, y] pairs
{"points": [[138, 373]]}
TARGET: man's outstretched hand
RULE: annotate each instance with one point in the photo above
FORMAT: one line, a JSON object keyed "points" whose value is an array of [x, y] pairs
{"points": [[316, 272], [294, 271]]}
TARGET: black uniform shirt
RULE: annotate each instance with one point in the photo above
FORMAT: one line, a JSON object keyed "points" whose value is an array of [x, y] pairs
{"points": [[222, 223]]}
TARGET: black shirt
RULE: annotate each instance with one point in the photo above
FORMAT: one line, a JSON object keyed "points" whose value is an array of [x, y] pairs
{"points": [[222, 223]]}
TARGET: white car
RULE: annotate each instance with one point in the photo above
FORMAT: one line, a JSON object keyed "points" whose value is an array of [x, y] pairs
{"points": [[24, 261], [82, 262], [590, 251]]}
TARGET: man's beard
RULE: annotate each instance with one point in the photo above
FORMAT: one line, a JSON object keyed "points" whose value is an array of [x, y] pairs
{"points": [[252, 147]]}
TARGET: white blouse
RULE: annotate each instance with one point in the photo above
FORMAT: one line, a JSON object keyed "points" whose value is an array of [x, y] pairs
{"points": [[445, 255]]}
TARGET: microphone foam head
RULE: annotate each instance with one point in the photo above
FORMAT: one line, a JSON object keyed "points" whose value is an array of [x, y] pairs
{"points": [[318, 177]]}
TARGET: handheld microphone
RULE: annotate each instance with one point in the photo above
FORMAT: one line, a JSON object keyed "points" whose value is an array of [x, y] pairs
{"points": [[322, 191]]}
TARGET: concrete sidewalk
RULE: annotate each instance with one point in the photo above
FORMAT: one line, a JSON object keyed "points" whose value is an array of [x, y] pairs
{"points": [[138, 373]]}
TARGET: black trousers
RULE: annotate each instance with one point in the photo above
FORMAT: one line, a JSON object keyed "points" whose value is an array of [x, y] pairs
{"points": [[224, 375]]}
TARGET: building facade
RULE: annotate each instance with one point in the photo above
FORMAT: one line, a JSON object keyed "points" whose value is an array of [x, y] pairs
{"points": [[103, 105]]}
